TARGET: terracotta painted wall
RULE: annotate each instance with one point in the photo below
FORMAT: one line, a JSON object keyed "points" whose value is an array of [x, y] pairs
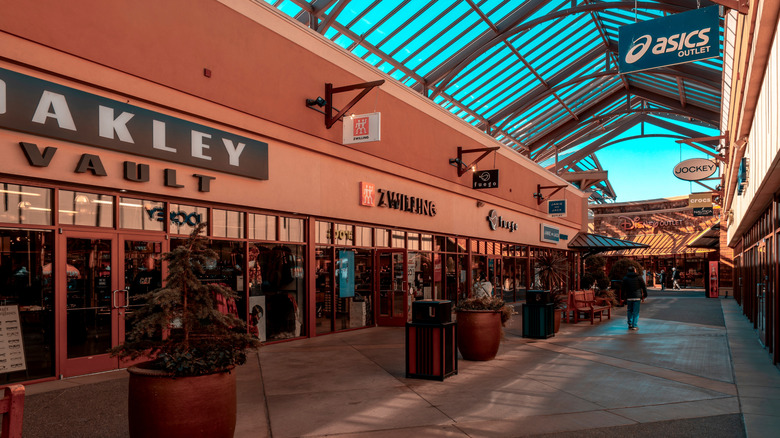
{"points": [[152, 54]]}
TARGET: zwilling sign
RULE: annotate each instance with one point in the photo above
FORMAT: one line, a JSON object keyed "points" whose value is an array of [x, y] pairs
{"points": [[676, 39], [362, 128]]}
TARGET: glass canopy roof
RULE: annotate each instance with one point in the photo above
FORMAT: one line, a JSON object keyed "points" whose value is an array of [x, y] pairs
{"points": [[540, 76]]}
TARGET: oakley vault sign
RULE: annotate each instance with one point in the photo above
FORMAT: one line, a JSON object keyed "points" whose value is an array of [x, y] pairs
{"points": [[675, 39], [39, 107]]}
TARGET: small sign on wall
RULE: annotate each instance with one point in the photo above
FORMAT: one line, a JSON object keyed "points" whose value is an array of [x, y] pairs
{"points": [[556, 208], [550, 234], [485, 179], [362, 128]]}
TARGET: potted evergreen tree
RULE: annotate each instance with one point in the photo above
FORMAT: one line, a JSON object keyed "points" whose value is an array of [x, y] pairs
{"points": [[187, 388], [480, 323]]}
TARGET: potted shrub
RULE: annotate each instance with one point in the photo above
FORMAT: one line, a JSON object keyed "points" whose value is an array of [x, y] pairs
{"points": [[187, 388], [480, 326], [560, 300], [552, 269]]}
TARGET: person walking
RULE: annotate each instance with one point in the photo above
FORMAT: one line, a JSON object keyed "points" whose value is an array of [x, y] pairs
{"points": [[675, 279], [633, 291], [661, 278]]}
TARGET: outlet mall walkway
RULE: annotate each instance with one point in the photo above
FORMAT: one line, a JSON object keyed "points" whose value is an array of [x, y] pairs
{"points": [[694, 369]]}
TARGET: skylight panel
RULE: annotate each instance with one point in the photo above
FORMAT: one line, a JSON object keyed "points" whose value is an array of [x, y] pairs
{"points": [[287, 7]]}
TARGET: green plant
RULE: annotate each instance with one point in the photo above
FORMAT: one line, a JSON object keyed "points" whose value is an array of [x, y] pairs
{"points": [[551, 269], [594, 273], [560, 298], [620, 268], [487, 303], [180, 325]]}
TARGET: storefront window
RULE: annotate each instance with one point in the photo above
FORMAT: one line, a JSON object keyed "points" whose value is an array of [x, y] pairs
{"points": [[226, 223], [25, 205], [323, 232], [262, 227], [141, 214], [227, 269], [398, 239], [426, 242], [363, 236], [413, 241], [276, 291], [420, 264], [292, 230], [382, 238], [90, 209], [354, 289], [344, 235], [324, 289], [26, 279], [184, 218]]}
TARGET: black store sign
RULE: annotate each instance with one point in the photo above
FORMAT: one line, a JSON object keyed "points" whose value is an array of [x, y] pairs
{"points": [[702, 211], [44, 108], [485, 179]]}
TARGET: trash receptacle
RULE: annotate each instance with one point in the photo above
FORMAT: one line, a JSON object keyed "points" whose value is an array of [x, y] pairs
{"points": [[538, 312], [431, 341]]}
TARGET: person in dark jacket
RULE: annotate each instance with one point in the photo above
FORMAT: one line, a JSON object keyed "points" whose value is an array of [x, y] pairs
{"points": [[634, 291]]}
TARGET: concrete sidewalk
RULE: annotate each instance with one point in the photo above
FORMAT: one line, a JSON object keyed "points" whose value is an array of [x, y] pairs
{"points": [[703, 376]]}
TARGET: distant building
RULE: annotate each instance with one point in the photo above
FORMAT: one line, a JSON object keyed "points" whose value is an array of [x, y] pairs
{"points": [[675, 236]]}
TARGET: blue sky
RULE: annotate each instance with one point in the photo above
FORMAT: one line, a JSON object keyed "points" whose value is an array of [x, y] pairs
{"points": [[642, 169]]}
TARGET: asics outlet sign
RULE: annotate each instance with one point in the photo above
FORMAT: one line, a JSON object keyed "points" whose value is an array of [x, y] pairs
{"points": [[676, 39]]}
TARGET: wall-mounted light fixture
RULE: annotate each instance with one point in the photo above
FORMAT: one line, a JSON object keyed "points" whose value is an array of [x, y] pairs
{"points": [[319, 101], [463, 167], [480, 204], [327, 102], [540, 197]]}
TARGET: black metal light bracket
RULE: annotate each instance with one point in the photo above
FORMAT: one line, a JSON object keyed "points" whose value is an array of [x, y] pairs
{"points": [[538, 195], [462, 167], [327, 102]]}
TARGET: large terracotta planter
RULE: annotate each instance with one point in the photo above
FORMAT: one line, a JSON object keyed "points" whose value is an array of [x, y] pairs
{"points": [[479, 333], [163, 406]]}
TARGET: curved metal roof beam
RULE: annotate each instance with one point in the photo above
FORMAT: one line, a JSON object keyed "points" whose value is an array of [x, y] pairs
{"points": [[445, 78], [594, 148], [540, 93]]}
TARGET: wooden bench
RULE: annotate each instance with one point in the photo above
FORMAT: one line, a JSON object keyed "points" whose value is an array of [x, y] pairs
{"points": [[12, 408], [584, 302]]}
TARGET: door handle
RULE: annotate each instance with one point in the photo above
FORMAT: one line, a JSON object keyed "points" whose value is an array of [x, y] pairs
{"points": [[127, 296], [113, 298]]}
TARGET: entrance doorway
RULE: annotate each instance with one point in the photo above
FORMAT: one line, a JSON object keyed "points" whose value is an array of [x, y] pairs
{"points": [[101, 278], [392, 286]]}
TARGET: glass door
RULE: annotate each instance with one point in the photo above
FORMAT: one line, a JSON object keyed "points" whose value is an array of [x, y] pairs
{"points": [[141, 273], [392, 287], [85, 269]]}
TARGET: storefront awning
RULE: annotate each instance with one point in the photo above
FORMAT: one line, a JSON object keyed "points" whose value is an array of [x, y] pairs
{"points": [[596, 243], [660, 244], [709, 238]]}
